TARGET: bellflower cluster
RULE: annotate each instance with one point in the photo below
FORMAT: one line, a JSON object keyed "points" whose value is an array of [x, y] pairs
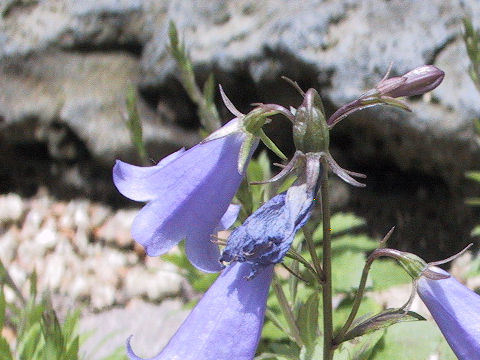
{"points": [[227, 322], [188, 196], [456, 310]]}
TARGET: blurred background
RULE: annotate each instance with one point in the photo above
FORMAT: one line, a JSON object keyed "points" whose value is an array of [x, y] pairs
{"points": [[66, 66]]}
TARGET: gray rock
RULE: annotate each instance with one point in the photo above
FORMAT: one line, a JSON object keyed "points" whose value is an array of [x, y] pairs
{"points": [[11, 208], [151, 325]]}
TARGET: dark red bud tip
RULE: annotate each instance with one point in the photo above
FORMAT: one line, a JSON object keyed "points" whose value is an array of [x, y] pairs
{"points": [[416, 82]]}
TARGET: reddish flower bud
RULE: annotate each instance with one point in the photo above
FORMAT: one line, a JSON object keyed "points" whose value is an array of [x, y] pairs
{"points": [[416, 82]]}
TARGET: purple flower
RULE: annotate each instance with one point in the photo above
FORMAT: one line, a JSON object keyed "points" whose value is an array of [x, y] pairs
{"points": [[265, 237], [188, 192], [456, 310], [226, 323]]}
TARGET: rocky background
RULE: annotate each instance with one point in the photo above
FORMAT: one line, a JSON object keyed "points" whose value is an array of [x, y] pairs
{"points": [[65, 67]]}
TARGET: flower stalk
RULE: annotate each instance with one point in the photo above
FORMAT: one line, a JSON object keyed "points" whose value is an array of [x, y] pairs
{"points": [[328, 348]]}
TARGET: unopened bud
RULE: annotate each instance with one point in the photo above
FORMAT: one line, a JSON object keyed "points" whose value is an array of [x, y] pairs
{"points": [[310, 130], [416, 82]]}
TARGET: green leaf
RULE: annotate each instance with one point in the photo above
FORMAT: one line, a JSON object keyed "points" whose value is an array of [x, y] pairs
{"points": [[382, 320], [3, 306], [52, 333], [473, 175], [307, 321], [134, 122], [5, 353], [359, 348], [367, 306], [387, 273], [209, 90], [418, 340], [347, 269], [473, 201], [475, 231], [29, 342], [357, 242], [73, 349], [314, 352]]}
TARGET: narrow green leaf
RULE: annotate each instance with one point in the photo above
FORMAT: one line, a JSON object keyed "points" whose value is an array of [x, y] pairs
{"points": [[473, 201], [33, 285], [473, 175], [29, 342], [134, 122], [73, 349], [3, 306], [271, 145], [307, 321], [52, 333], [382, 320], [5, 353], [209, 89]]}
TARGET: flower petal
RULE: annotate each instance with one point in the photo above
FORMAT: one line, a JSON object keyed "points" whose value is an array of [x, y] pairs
{"points": [[225, 324], [193, 193], [456, 310], [229, 217], [138, 182]]}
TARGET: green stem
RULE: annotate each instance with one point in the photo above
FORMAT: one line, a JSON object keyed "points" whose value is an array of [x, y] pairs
{"points": [[328, 348], [308, 233], [287, 311], [361, 288], [356, 302]]}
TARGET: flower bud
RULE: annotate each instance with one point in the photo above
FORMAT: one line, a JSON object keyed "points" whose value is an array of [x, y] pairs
{"points": [[310, 130], [416, 82]]}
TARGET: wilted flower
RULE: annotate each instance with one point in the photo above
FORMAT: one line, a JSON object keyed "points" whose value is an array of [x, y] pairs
{"points": [[188, 192], [456, 310], [226, 323], [416, 82], [265, 237]]}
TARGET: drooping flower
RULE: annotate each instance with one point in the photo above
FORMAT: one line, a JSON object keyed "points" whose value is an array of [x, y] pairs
{"points": [[188, 192], [225, 324], [456, 310]]}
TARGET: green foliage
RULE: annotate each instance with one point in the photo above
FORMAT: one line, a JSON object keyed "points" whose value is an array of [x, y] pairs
{"points": [[204, 100], [471, 38], [134, 123], [39, 333], [412, 341]]}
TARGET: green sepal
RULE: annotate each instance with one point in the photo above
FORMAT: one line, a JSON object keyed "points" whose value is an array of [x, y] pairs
{"points": [[413, 264], [395, 102], [382, 320], [271, 145], [245, 150]]}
